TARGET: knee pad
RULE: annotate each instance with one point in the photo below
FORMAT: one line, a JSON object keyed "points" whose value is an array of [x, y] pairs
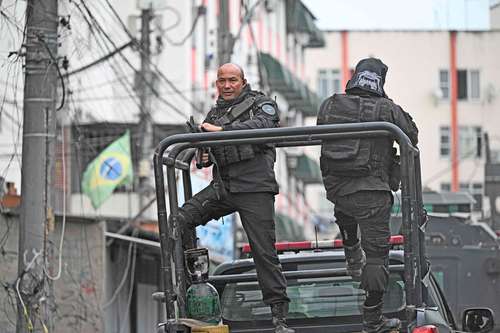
{"points": [[375, 275]]}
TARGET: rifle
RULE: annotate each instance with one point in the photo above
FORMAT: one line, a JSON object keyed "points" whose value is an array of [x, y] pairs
{"points": [[194, 128], [395, 171]]}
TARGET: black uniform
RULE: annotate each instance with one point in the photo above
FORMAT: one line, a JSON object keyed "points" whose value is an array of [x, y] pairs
{"points": [[249, 186], [357, 172]]}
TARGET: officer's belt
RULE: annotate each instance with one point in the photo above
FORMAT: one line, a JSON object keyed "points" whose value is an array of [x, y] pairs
{"points": [[235, 111]]}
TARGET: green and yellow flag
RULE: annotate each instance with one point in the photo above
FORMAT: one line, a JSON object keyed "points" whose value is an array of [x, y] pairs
{"points": [[112, 168]]}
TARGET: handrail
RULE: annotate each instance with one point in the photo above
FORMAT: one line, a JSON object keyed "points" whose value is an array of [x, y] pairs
{"points": [[302, 274]]}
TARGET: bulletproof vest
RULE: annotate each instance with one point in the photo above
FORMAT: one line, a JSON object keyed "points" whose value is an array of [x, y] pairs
{"points": [[240, 112], [355, 157]]}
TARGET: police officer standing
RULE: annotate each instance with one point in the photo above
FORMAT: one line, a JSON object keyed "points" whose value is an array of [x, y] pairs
{"points": [[358, 175], [244, 181]]}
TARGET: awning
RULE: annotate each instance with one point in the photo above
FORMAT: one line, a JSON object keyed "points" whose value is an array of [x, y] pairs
{"points": [[287, 229], [441, 202], [307, 170], [280, 79], [300, 20]]}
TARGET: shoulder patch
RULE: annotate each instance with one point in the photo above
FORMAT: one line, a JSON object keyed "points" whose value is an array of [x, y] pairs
{"points": [[269, 109]]}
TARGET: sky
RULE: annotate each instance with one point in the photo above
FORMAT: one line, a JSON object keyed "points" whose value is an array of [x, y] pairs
{"points": [[401, 14]]}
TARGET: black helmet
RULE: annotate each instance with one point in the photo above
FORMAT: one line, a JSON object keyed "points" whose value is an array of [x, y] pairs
{"points": [[369, 76]]}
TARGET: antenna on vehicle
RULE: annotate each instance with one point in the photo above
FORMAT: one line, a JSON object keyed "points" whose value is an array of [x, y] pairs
{"points": [[316, 235]]}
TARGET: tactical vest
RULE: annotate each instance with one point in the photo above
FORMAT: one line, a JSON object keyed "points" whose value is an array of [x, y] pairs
{"points": [[355, 157], [240, 112]]}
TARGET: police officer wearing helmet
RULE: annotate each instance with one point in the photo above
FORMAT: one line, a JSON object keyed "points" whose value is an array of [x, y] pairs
{"points": [[244, 182], [359, 175]]}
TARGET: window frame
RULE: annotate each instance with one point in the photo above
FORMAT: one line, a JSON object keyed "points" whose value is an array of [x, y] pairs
{"points": [[472, 94], [444, 145], [468, 136], [329, 82]]}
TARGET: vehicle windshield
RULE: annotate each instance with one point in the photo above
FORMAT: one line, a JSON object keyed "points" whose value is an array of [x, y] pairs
{"points": [[309, 298]]}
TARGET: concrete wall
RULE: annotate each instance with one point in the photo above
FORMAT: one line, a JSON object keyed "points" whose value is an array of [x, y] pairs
{"points": [[79, 291]]}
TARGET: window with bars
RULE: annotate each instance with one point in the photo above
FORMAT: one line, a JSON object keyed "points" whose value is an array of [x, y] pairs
{"points": [[468, 81], [444, 141], [469, 142], [444, 84], [329, 82], [89, 140]]}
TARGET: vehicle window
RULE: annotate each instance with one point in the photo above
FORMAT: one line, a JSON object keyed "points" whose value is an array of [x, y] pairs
{"points": [[310, 298], [436, 298]]}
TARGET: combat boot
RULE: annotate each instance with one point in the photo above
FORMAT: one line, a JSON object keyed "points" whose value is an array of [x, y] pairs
{"points": [[356, 260], [375, 322], [279, 312]]}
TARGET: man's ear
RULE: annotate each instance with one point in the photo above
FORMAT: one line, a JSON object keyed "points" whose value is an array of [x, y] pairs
{"points": [[244, 82]]}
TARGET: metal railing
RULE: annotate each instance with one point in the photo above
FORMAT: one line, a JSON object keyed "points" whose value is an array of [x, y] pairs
{"points": [[179, 156]]}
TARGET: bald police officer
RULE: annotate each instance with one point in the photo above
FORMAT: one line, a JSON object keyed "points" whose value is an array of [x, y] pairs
{"points": [[358, 175], [244, 182]]}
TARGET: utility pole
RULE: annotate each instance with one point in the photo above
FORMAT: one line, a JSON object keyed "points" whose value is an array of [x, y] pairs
{"points": [[37, 218], [145, 123], [224, 37]]}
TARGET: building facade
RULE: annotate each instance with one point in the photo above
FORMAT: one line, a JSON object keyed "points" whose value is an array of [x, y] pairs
{"points": [[445, 79]]}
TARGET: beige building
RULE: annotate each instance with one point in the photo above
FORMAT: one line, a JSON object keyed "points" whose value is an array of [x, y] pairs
{"points": [[420, 63]]}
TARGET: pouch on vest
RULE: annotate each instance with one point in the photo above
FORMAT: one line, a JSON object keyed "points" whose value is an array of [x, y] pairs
{"points": [[235, 153], [344, 157]]}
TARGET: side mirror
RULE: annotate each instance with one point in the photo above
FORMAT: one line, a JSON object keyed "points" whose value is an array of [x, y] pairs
{"points": [[478, 320]]}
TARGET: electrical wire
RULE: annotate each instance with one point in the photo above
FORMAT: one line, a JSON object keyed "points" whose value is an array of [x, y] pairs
{"points": [[63, 227], [177, 17], [173, 107], [199, 13], [131, 247], [98, 61], [259, 58], [114, 68], [18, 280], [249, 12], [14, 74], [56, 64], [444, 171], [107, 98], [155, 67], [101, 84], [131, 289]]}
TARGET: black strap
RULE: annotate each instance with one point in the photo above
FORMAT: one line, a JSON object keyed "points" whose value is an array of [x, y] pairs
{"points": [[235, 111]]}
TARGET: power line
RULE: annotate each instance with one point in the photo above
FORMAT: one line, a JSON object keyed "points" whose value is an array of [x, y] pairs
{"points": [[113, 67], [100, 85], [114, 97], [157, 70], [98, 61], [173, 107], [201, 11], [56, 64], [444, 171]]}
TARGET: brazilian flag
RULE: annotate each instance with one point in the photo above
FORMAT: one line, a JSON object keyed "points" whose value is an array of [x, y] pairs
{"points": [[111, 168]]}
